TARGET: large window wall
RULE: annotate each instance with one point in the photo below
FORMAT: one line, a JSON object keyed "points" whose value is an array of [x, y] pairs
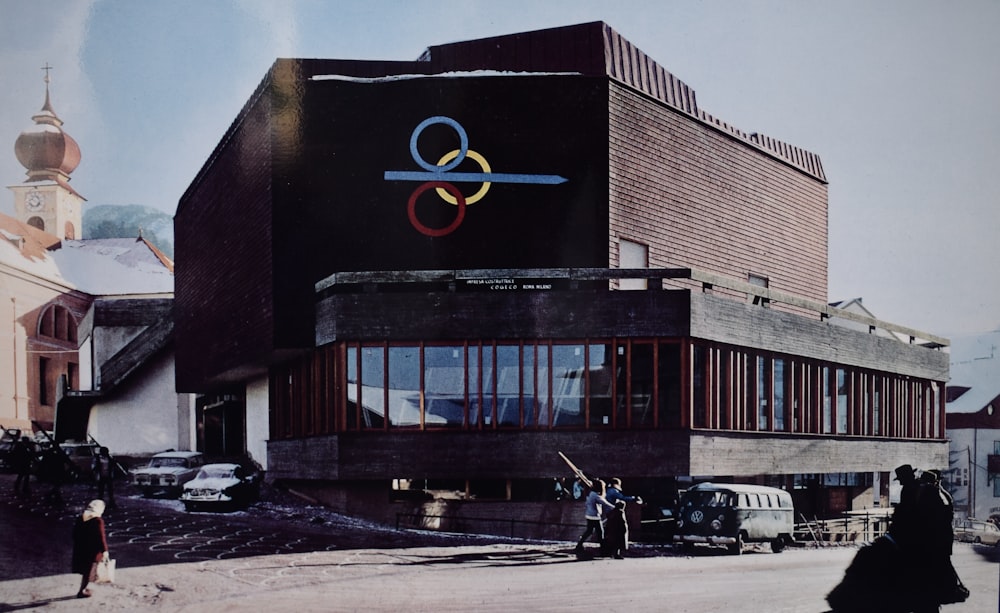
{"points": [[593, 384]]}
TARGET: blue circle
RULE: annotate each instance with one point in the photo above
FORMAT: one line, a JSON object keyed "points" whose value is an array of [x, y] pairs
{"points": [[463, 137]]}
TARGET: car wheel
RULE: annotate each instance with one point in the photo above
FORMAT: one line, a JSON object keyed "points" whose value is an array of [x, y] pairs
{"points": [[778, 545], [978, 541], [737, 547]]}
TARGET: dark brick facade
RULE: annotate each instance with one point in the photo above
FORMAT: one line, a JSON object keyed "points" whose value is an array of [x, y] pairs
{"points": [[699, 197]]}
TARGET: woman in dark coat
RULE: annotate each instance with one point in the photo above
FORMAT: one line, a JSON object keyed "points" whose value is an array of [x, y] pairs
{"points": [[90, 544]]}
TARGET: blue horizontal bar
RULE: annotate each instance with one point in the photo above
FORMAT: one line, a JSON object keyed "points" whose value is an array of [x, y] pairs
{"points": [[472, 177]]}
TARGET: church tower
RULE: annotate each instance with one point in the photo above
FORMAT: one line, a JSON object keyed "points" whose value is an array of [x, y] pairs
{"points": [[45, 199]]}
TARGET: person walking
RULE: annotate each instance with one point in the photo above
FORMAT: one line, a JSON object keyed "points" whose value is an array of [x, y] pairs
{"points": [[594, 507], [22, 458], [90, 544], [103, 469]]}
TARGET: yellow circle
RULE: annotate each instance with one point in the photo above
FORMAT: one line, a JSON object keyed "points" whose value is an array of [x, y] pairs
{"points": [[476, 197]]}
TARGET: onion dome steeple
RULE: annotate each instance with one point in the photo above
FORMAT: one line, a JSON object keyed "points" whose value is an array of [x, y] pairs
{"points": [[46, 150]]}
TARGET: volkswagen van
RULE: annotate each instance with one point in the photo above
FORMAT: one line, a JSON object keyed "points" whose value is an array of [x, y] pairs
{"points": [[733, 515]]}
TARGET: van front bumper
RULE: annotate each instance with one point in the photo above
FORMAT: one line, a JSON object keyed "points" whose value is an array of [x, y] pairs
{"points": [[711, 540]]}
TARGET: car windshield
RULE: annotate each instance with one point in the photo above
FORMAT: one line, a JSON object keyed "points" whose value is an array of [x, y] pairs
{"points": [[167, 463], [706, 499], [216, 472]]}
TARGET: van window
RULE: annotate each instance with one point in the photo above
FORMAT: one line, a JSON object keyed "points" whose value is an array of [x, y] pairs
{"points": [[708, 499]]}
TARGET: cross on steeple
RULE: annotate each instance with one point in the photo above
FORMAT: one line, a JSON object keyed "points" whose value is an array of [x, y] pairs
{"points": [[47, 68]]}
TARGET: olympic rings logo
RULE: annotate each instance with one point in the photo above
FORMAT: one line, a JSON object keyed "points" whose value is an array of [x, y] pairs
{"points": [[441, 176]]}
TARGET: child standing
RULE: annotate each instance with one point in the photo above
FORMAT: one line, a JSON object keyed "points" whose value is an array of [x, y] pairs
{"points": [[616, 531]]}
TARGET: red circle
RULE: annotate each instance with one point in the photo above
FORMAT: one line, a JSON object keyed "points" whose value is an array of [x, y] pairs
{"points": [[411, 209]]}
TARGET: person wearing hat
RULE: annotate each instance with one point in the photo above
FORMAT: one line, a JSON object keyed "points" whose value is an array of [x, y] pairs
{"points": [[937, 513], [905, 528], [90, 544], [615, 493]]}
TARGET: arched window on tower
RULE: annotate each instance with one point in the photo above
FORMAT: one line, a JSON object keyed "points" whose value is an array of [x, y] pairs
{"points": [[57, 322], [36, 222], [70, 231]]}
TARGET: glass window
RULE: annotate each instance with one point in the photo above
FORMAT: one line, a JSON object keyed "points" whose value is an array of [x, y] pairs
{"points": [[43, 377], [444, 386], [531, 407], [352, 388], [877, 405], [404, 386], [669, 384], [600, 384], [479, 379], [641, 385], [632, 255], [567, 385], [543, 382], [842, 388], [827, 400], [779, 395], [373, 387], [763, 385], [508, 385]]}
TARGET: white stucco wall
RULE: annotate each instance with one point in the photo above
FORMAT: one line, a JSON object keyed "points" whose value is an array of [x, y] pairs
{"points": [[145, 415], [974, 445], [258, 422]]}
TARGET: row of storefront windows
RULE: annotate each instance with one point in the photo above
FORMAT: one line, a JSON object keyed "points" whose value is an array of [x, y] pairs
{"points": [[590, 384]]}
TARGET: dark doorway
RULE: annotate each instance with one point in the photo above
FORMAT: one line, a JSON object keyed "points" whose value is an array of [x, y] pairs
{"points": [[221, 425]]}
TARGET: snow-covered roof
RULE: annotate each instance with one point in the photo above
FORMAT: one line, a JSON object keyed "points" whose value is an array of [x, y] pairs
{"points": [[975, 364], [100, 267]]}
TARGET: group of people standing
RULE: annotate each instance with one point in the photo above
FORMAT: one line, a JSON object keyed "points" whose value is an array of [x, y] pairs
{"points": [[51, 466], [909, 568], [605, 514], [89, 537]]}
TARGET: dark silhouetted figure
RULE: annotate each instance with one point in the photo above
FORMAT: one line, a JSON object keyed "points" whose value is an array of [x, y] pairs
{"points": [[104, 475], [22, 457], [90, 544], [616, 531], [908, 570]]}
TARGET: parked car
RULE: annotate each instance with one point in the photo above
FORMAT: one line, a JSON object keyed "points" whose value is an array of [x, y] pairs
{"points": [[732, 514], [977, 531], [81, 456], [8, 437], [167, 472], [221, 486]]}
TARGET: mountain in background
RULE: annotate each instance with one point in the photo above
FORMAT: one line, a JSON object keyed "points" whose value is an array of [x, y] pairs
{"points": [[125, 221]]}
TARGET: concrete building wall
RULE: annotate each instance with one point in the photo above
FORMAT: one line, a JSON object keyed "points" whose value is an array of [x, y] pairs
{"points": [[22, 301], [143, 416], [257, 424]]}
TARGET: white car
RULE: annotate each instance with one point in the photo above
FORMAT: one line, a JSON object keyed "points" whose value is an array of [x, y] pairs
{"points": [[977, 531], [224, 486], [168, 472]]}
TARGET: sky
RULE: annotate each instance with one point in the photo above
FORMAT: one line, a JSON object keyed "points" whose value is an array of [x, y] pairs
{"points": [[899, 98]]}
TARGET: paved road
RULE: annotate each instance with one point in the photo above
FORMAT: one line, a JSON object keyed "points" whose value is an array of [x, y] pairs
{"points": [[295, 558]]}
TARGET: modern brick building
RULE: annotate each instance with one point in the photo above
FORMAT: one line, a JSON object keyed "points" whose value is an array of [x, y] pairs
{"points": [[436, 274]]}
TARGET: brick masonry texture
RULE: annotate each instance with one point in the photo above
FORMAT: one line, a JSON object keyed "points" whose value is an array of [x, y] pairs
{"points": [[703, 199]]}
